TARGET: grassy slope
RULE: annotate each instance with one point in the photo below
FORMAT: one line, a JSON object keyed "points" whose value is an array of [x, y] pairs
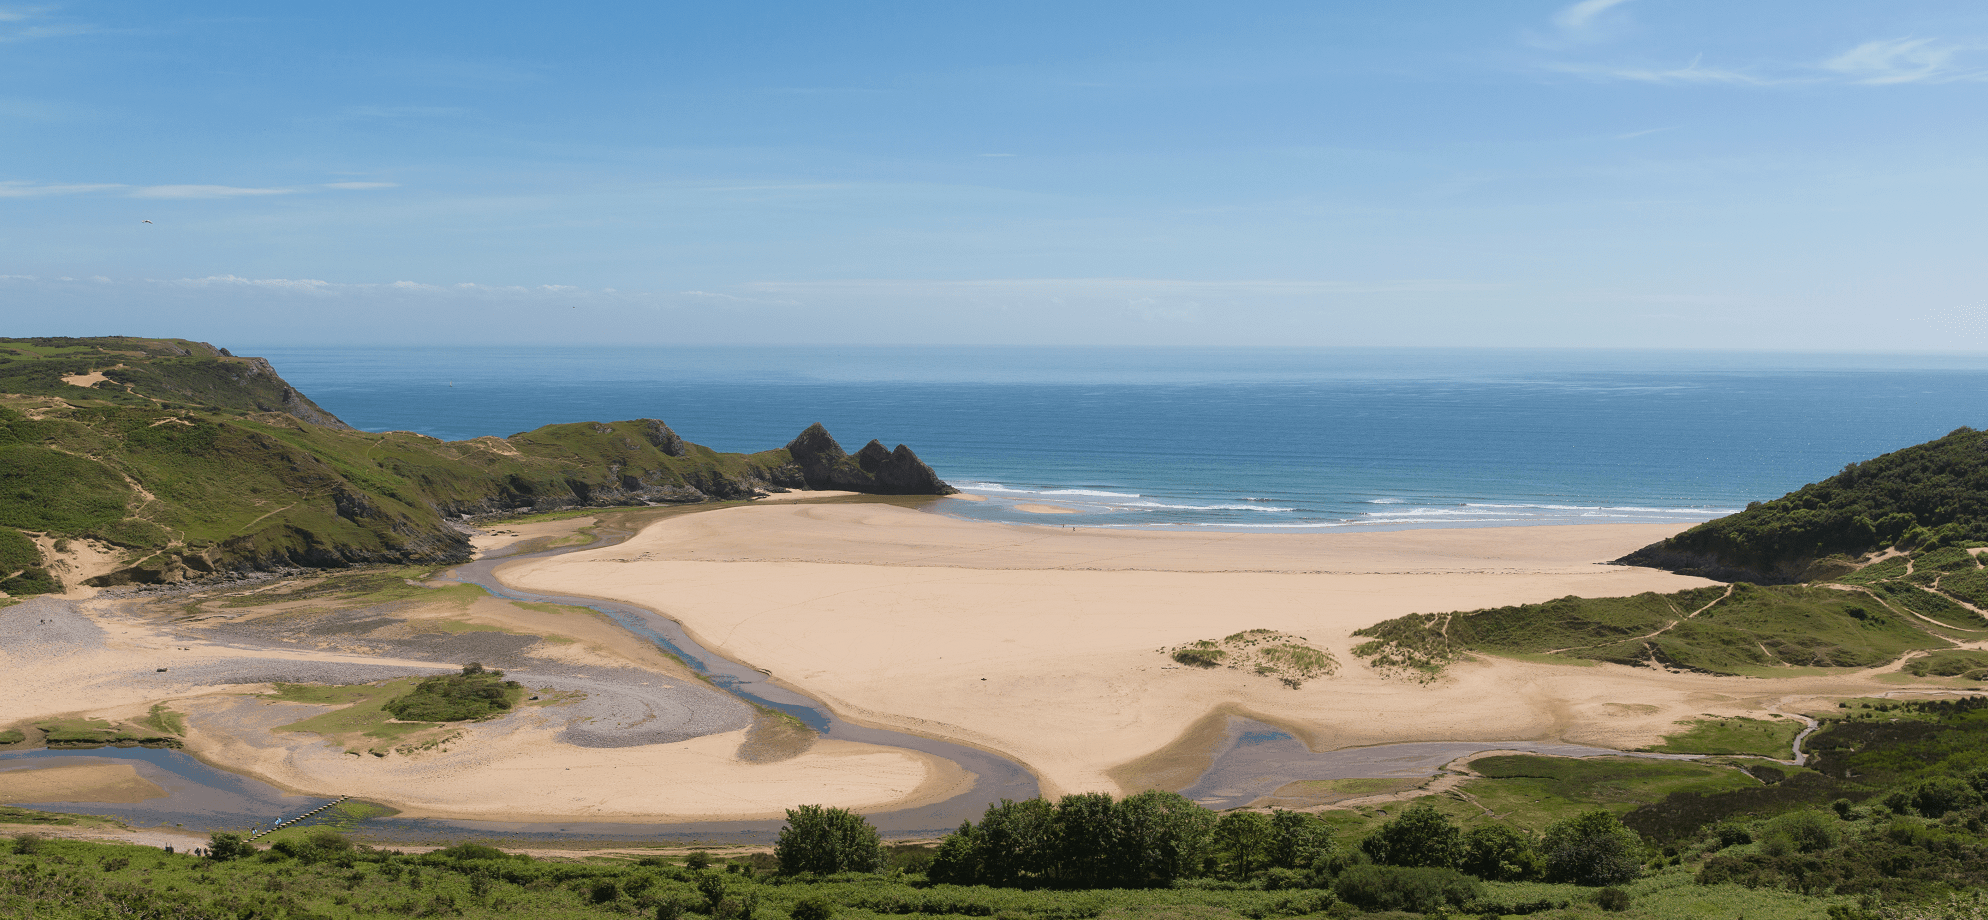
{"points": [[193, 462], [1867, 613]]}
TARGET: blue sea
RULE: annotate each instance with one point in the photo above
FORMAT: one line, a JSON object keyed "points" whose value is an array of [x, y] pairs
{"points": [[1274, 440]]}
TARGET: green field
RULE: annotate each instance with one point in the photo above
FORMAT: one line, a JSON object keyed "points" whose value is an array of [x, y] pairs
{"points": [[1761, 737], [1536, 791]]}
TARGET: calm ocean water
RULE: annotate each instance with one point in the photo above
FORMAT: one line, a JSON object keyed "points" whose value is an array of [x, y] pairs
{"points": [[1277, 440]]}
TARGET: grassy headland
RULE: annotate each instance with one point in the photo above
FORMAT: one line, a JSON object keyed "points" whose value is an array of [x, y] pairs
{"points": [[1927, 495], [180, 460]]}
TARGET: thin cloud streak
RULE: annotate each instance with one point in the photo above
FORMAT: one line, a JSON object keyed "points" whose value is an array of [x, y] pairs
{"points": [[204, 191], [1903, 60]]}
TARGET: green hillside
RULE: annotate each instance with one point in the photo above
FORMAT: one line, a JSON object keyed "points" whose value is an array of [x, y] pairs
{"points": [[1869, 615], [1928, 494], [186, 460]]}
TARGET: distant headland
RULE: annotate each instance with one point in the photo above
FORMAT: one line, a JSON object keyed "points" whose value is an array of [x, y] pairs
{"points": [[161, 460]]}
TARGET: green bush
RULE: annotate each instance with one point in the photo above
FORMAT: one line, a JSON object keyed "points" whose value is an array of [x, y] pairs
{"points": [[476, 693], [223, 846], [812, 907], [1420, 836], [825, 841], [1592, 848], [1418, 889], [1500, 853]]}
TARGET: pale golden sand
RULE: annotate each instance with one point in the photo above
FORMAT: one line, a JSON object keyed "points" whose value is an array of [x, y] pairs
{"points": [[58, 782], [1045, 643]]}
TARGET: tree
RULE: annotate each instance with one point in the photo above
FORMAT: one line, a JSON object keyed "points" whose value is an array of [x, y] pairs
{"points": [[827, 840], [1166, 837], [1244, 837], [1296, 839], [1420, 836], [1089, 843], [1592, 848], [957, 861], [1496, 853], [1016, 842]]}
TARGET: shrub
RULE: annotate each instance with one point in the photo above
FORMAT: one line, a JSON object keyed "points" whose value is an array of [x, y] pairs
{"points": [[1804, 831], [1592, 849], [222, 847], [320, 846], [826, 841], [1199, 657], [1612, 899], [812, 907], [473, 694], [698, 860], [27, 844], [1419, 889]]}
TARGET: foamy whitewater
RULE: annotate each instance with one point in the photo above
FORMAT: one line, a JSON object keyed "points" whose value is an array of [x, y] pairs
{"points": [[1294, 440]]}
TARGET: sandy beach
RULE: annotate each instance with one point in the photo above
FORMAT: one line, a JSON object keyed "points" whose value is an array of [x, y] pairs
{"points": [[1046, 643]]}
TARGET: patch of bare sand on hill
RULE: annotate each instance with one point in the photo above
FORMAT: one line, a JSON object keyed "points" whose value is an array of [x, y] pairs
{"points": [[58, 782], [1044, 643]]}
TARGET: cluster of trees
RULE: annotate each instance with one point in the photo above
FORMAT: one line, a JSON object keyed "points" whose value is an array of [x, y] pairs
{"points": [[1154, 839], [475, 693]]}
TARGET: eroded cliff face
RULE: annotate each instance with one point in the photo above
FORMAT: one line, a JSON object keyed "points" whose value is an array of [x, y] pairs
{"points": [[825, 465]]}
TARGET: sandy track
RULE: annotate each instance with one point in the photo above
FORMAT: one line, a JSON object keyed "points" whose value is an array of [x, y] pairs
{"points": [[1043, 643]]}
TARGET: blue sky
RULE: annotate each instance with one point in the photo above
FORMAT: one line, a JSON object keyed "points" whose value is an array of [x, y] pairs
{"points": [[1663, 173]]}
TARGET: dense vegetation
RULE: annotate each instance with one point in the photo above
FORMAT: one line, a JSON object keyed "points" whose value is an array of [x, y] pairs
{"points": [[1891, 820], [476, 693], [189, 461], [1927, 495]]}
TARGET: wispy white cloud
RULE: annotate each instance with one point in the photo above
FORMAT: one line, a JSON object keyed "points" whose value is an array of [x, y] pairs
{"points": [[1583, 23], [1583, 17], [356, 186], [204, 191], [1904, 60], [1694, 72], [1874, 63], [31, 26], [17, 189]]}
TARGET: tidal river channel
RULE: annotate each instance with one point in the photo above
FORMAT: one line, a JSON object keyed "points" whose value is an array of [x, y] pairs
{"points": [[1252, 761]]}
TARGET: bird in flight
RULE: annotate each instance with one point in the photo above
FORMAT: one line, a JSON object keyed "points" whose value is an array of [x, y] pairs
{"points": [[148, 222]]}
